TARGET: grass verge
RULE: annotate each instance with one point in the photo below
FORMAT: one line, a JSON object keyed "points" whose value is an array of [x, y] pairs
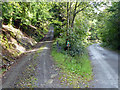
{"points": [[75, 71]]}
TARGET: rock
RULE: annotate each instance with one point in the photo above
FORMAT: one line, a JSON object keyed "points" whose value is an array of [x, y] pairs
{"points": [[53, 75]]}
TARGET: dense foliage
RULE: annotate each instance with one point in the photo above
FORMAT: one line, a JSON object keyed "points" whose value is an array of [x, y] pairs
{"points": [[23, 15], [76, 22], [110, 32], [76, 26]]}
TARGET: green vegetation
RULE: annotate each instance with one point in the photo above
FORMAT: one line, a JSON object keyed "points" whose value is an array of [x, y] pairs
{"points": [[111, 30], [79, 23], [106, 26], [2, 71], [31, 17], [75, 69]]}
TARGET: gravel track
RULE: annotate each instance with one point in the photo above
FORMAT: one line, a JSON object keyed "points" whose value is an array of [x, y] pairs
{"points": [[35, 69]]}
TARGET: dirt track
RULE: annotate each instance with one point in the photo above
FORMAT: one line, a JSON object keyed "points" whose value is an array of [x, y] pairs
{"points": [[34, 69]]}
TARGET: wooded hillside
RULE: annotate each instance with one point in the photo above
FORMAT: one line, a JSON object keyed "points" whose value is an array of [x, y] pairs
{"points": [[76, 26]]}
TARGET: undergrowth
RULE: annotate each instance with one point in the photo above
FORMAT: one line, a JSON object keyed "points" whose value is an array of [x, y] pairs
{"points": [[109, 47]]}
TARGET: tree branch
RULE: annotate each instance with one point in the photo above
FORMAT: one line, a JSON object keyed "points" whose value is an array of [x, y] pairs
{"points": [[79, 4], [75, 7], [74, 14], [70, 12], [81, 9]]}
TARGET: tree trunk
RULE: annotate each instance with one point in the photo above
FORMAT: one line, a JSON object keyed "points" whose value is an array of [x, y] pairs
{"points": [[74, 14], [73, 21], [67, 15]]}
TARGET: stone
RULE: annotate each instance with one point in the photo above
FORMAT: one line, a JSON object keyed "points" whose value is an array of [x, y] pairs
{"points": [[53, 75]]}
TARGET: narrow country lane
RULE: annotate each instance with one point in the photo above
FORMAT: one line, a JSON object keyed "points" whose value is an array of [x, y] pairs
{"points": [[105, 67], [35, 69]]}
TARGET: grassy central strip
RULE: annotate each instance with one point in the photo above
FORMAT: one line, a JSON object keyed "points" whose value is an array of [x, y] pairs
{"points": [[76, 71]]}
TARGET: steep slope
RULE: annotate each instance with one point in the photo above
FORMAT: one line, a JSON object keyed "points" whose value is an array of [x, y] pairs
{"points": [[14, 42]]}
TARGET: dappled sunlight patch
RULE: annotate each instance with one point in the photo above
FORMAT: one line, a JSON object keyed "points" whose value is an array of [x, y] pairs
{"points": [[45, 42], [19, 35], [20, 48], [32, 50], [46, 48], [16, 32], [36, 49]]}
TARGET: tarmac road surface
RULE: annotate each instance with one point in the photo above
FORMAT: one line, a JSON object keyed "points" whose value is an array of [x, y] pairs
{"points": [[105, 67]]}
